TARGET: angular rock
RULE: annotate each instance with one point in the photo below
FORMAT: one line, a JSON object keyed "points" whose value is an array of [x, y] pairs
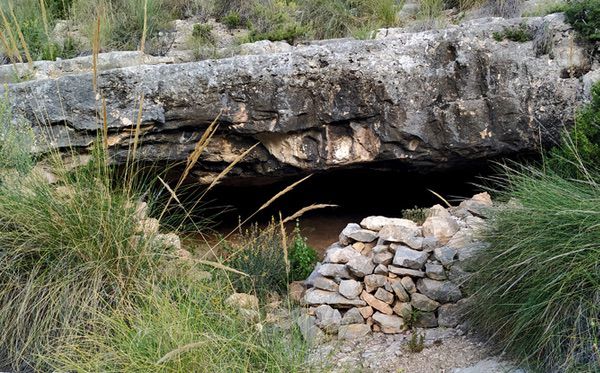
{"points": [[438, 210], [313, 275], [354, 331], [309, 330], [399, 290], [376, 303], [430, 243], [376, 223], [401, 234], [360, 266], [349, 229], [325, 283], [352, 316], [351, 289], [441, 291], [384, 295], [457, 274], [384, 258], [470, 251], [366, 311], [242, 300], [296, 291], [445, 255], [389, 324], [328, 319], [435, 271], [451, 314], [442, 228], [409, 258], [461, 239], [358, 246], [334, 270], [426, 320], [317, 297], [381, 270], [403, 309], [408, 284], [406, 271], [340, 255], [375, 281], [363, 235], [423, 303]]}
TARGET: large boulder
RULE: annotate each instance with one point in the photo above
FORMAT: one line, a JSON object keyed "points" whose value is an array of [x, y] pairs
{"points": [[423, 100]]}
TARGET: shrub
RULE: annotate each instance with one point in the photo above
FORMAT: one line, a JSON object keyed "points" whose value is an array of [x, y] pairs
{"points": [[261, 255], [275, 21], [301, 256], [202, 34], [520, 34], [232, 20], [584, 16], [416, 214], [537, 287]]}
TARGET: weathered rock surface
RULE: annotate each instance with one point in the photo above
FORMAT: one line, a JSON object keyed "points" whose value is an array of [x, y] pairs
{"points": [[426, 100]]}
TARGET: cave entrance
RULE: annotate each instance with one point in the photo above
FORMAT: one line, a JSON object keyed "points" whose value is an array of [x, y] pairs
{"points": [[357, 192]]}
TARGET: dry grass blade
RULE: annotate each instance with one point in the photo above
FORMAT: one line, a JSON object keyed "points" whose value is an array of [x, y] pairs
{"points": [[306, 209], [13, 42], [44, 17], [440, 197], [104, 126], [144, 30], [95, 52], [21, 36], [285, 191], [284, 245], [219, 266], [10, 52], [171, 191]]}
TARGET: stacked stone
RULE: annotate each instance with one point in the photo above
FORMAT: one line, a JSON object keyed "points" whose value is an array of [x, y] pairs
{"points": [[387, 274]]}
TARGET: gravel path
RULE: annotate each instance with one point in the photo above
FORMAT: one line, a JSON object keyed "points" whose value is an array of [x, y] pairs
{"points": [[445, 350]]}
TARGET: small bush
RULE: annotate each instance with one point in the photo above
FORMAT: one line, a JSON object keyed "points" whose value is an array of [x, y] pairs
{"points": [[301, 256], [584, 16], [202, 34], [276, 22], [260, 254], [520, 34], [416, 214], [232, 20], [416, 343]]}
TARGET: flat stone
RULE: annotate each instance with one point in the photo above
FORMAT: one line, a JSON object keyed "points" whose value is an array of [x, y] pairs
{"points": [[334, 270], [401, 234], [384, 295], [409, 258], [363, 235], [351, 289], [435, 271], [399, 290], [360, 266], [317, 297], [325, 283], [409, 284], [376, 223], [403, 309], [309, 330], [354, 331], [423, 303], [340, 255], [375, 281], [384, 258], [358, 246], [328, 319], [310, 280], [462, 238], [406, 271], [426, 320], [389, 324], [441, 291], [442, 228], [366, 311], [381, 270], [352, 316], [445, 255], [377, 304], [430, 243]]}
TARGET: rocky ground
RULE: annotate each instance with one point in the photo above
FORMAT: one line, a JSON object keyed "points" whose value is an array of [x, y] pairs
{"points": [[444, 350]]}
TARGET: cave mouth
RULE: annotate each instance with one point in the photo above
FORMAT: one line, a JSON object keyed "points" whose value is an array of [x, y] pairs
{"points": [[357, 192]]}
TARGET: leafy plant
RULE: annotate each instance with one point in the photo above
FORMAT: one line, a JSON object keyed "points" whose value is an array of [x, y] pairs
{"points": [[416, 214], [232, 20], [584, 16], [301, 256], [416, 343]]}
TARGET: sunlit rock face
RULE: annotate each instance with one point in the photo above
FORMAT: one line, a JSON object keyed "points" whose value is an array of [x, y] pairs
{"points": [[423, 100]]}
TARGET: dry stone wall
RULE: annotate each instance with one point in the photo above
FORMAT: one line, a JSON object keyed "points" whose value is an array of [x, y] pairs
{"points": [[391, 274]]}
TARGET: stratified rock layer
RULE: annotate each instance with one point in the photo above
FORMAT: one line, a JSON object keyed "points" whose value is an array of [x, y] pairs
{"points": [[426, 100]]}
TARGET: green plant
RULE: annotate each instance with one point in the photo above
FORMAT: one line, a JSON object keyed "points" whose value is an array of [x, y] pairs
{"points": [[202, 34], [302, 257], [537, 287], [520, 34], [16, 141], [232, 20], [584, 16], [416, 214], [416, 343], [261, 255], [275, 21]]}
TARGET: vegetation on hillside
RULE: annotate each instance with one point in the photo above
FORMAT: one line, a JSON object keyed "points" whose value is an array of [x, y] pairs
{"points": [[537, 287]]}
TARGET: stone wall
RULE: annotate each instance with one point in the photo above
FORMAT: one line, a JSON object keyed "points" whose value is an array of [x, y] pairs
{"points": [[391, 274]]}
